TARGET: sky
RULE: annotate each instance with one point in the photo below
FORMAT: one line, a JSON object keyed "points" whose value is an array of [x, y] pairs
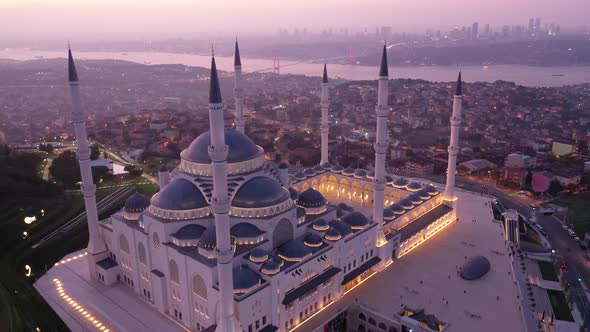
{"points": [[59, 19]]}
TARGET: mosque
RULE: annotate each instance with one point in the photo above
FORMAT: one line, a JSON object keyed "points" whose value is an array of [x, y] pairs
{"points": [[233, 242]]}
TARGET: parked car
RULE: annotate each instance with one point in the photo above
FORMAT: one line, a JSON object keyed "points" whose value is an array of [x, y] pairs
{"points": [[565, 228], [572, 233], [577, 239]]}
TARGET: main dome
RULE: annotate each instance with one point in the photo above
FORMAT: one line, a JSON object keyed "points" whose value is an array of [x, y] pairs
{"points": [[241, 148], [260, 191]]}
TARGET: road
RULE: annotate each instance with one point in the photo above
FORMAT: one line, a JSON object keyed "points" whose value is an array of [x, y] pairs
{"points": [[46, 169]]}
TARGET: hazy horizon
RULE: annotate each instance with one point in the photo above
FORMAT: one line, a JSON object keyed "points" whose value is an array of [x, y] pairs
{"points": [[70, 19]]}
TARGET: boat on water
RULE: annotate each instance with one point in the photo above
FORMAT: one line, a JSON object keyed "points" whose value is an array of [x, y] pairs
{"points": [[557, 74]]}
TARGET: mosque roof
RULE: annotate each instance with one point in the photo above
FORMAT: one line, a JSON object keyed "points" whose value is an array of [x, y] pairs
{"points": [[294, 249], [309, 172], [245, 278], [241, 148], [355, 220], [337, 168], [414, 186], [260, 191], [348, 171], [312, 240], [311, 198], [343, 228], [179, 194], [245, 229], [136, 203], [190, 232], [208, 239]]}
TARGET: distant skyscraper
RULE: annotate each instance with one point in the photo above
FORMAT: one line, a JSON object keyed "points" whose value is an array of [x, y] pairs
{"points": [[531, 24], [474, 30], [538, 24], [487, 29]]}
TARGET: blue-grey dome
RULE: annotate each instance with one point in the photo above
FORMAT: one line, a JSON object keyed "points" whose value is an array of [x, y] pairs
{"points": [[300, 176], [313, 240], [400, 183], [415, 199], [319, 169], [406, 203], [241, 148], [348, 171], [260, 191], [294, 193], [475, 268], [311, 198], [360, 173], [283, 166], [389, 179], [337, 169], [320, 225], [208, 239], [355, 220], [136, 203], [370, 175], [272, 265], [431, 190], [423, 194], [332, 234], [300, 212], [244, 278], [309, 172], [294, 250], [258, 255], [343, 228], [414, 186], [327, 165], [388, 214], [179, 194], [244, 229], [396, 208], [189, 232]]}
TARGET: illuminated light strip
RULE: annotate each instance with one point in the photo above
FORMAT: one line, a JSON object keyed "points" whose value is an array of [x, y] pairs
{"points": [[431, 235], [77, 307], [64, 261]]}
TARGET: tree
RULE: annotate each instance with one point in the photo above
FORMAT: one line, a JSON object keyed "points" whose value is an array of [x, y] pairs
{"points": [[554, 187], [65, 168], [94, 152]]}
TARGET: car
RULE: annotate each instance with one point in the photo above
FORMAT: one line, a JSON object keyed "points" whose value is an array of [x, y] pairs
{"points": [[572, 233], [565, 228], [577, 239], [533, 206]]}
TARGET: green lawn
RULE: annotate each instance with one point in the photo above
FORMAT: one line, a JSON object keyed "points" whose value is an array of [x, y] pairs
{"points": [[559, 305], [531, 241], [548, 271], [577, 212]]}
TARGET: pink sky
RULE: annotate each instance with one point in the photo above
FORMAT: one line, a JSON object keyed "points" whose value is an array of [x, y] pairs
{"points": [[59, 19]]}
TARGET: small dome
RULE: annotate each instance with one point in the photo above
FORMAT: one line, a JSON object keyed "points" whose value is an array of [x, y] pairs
{"points": [[397, 209], [208, 239], [294, 250], [340, 212], [423, 194], [414, 186], [241, 148], [189, 232], [309, 172], [327, 165], [136, 203], [348, 171], [388, 214], [272, 265], [415, 199], [244, 229], [475, 268], [360, 173], [300, 212], [400, 183], [355, 220], [406, 203], [258, 255], [319, 169], [313, 240], [300, 176], [332, 235], [311, 198], [260, 191], [179, 194], [370, 175], [337, 169], [163, 169], [294, 193], [320, 225], [244, 279], [388, 179], [283, 166], [343, 228], [431, 190]]}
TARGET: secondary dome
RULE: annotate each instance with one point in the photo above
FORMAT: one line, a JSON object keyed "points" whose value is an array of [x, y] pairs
{"points": [[389, 179], [406, 203], [319, 169], [414, 186], [423, 194], [355, 220], [431, 190], [244, 229], [332, 235], [311, 198], [348, 171], [241, 148], [179, 194], [136, 203], [343, 228], [400, 183], [337, 169], [475, 268], [260, 191], [360, 173], [309, 172], [415, 199], [189, 232], [258, 255], [320, 225], [388, 214], [397, 208], [327, 165], [272, 265], [294, 250], [244, 279], [313, 240], [300, 176]]}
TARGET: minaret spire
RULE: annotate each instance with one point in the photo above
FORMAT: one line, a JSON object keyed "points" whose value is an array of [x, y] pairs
{"points": [[325, 127], [220, 203], [238, 92], [96, 246], [449, 193], [382, 111]]}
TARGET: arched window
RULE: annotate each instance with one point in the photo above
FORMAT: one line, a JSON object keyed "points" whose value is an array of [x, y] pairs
{"points": [[141, 253], [372, 321], [362, 316], [382, 326], [199, 287], [173, 271], [156, 241], [282, 233], [123, 244]]}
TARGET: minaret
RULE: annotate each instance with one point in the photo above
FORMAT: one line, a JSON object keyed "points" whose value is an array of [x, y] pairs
{"points": [[453, 149], [382, 111], [96, 245], [218, 151], [240, 122], [325, 128]]}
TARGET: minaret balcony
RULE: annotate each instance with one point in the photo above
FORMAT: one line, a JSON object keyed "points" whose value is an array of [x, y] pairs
{"points": [[455, 121], [453, 150], [380, 148]]}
